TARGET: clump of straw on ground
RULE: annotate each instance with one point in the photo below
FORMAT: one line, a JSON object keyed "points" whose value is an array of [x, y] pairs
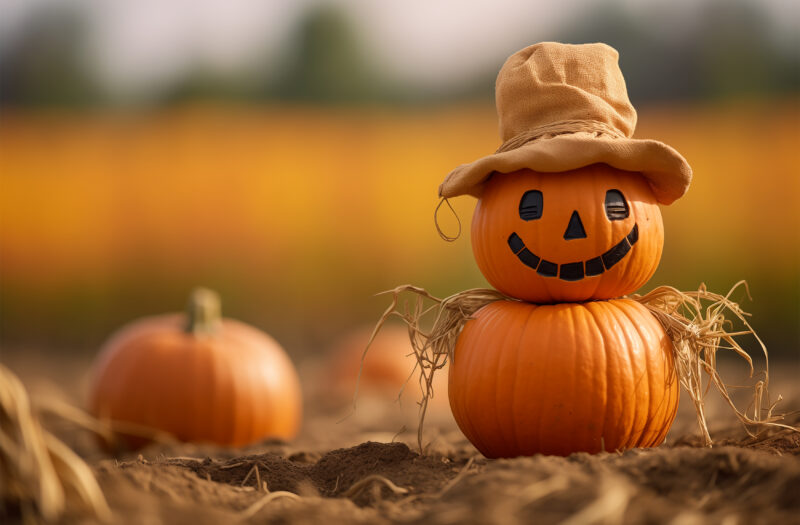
{"points": [[40, 475], [695, 322]]}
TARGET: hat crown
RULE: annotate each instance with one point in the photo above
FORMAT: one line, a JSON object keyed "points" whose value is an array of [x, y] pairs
{"points": [[549, 83]]}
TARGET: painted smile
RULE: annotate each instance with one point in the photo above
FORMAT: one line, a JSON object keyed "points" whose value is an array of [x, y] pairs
{"points": [[574, 271]]}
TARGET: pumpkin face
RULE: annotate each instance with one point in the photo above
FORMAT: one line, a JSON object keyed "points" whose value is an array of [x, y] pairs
{"points": [[563, 378], [591, 233], [220, 381]]}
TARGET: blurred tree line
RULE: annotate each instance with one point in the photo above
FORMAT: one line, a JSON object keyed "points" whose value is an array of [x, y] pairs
{"points": [[730, 50], [45, 64]]}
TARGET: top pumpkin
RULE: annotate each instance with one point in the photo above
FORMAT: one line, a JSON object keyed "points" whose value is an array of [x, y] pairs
{"points": [[592, 233]]}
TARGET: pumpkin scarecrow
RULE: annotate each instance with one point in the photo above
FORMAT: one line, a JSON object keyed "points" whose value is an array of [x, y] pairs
{"points": [[557, 360]]}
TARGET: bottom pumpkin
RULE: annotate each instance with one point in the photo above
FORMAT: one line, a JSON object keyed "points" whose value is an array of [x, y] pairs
{"points": [[563, 378]]}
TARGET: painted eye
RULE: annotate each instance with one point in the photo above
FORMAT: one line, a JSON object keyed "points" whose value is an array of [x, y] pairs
{"points": [[530, 206], [616, 207]]}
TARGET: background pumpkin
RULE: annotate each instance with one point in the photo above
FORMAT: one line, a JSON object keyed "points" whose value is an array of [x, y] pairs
{"points": [[198, 377], [386, 367], [564, 378], [388, 370], [497, 216]]}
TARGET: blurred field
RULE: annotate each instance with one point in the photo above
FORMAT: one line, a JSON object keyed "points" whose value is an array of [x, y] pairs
{"points": [[298, 216]]}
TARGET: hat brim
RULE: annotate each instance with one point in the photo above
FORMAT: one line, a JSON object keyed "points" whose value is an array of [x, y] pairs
{"points": [[665, 169]]}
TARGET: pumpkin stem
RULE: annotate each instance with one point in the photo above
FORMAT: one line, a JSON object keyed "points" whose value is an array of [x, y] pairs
{"points": [[203, 312]]}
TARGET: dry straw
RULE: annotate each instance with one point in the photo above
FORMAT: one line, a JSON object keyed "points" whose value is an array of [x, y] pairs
{"points": [[40, 475], [431, 347], [698, 324]]}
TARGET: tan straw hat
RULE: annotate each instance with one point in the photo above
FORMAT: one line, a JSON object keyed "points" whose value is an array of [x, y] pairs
{"points": [[562, 107]]}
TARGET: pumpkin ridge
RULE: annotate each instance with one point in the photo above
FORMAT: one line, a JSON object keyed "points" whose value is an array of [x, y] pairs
{"points": [[214, 414], [626, 324], [248, 386], [464, 417], [227, 390], [637, 376], [497, 316], [197, 370], [599, 332], [655, 409], [612, 325], [258, 411], [643, 411], [497, 360], [672, 398], [661, 408], [651, 414], [503, 410], [244, 389], [669, 401], [517, 369], [465, 401], [572, 355], [288, 417], [541, 412], [582, 323]]}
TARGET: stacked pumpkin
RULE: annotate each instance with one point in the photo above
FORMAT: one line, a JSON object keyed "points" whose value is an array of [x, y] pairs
{"points": [[567, 223]]}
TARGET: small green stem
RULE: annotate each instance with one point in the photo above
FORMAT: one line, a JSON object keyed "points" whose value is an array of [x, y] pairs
{"points": [[203, 312]]}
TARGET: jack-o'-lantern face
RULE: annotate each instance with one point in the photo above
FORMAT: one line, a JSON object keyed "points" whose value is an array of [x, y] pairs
{"points": [[591, 233]]}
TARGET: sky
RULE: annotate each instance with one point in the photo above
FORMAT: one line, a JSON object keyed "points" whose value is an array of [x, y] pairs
{"points": [[135, 45]]}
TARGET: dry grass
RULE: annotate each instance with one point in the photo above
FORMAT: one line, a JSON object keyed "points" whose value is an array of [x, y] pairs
{"points": [[41, 475], [699, 324], [431, 346], [252, 510]]}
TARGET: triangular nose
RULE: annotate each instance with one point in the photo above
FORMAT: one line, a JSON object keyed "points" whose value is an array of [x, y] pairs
{"points": [[575, 227]]}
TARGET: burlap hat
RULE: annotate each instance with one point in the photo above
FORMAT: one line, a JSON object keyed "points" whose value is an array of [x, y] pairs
{"points": [[562, 107]]}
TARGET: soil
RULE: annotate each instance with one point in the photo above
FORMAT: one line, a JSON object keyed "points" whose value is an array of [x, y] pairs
{"points": [[368, 469]]}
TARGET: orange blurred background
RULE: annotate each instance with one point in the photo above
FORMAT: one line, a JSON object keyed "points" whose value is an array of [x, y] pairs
{"points": [[298, 209]]}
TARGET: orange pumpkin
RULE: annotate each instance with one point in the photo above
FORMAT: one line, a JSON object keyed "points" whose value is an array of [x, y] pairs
{"points": [[591, 233], [563, 378], [388, 368], [198, 377]]}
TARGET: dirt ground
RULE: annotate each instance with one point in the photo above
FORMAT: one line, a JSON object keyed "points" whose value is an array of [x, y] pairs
{"points": [[366, 468]]}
